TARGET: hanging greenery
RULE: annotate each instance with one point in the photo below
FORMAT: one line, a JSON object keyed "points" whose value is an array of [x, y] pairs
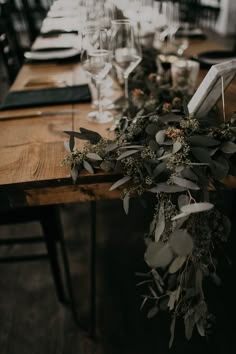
{"points": [[160, 148]]}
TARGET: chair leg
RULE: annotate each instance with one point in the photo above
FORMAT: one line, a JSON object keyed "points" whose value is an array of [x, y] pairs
{"points": [[93, 270], [51, 230]]}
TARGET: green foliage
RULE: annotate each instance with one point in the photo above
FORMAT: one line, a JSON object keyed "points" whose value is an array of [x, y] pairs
{"points": [[159, 148]]}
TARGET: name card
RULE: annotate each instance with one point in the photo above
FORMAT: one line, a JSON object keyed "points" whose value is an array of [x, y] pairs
{"points": [[210, 89]]}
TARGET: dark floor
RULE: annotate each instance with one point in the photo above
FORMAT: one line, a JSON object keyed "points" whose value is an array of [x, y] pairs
{"points": [[32, 321]]}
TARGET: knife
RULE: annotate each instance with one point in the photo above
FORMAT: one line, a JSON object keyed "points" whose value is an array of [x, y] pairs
{"points": [[40, 114]]}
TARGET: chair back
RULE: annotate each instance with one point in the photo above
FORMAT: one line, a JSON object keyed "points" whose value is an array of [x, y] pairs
{"points": [[9, 54], [34, 12]]}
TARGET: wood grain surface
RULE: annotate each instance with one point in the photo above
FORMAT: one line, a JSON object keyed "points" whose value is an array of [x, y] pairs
{"points": [[32, 148]]}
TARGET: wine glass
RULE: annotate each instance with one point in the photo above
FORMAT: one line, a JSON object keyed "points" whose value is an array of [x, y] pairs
{"points": [[96, 61], [125, 50]]}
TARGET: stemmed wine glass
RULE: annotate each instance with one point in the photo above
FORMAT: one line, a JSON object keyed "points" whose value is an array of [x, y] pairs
{"points": [[96, 61], [125, 50]]}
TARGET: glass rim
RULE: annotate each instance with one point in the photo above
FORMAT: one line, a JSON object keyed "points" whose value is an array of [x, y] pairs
{"points": [[121, 21]]}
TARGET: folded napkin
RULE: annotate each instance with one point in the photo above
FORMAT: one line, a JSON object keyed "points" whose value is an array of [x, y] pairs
{"points": [[47, 97], [196, 33]]}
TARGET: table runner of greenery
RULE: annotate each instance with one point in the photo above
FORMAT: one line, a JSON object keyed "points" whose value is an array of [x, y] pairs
{"points": [[160, 148]]}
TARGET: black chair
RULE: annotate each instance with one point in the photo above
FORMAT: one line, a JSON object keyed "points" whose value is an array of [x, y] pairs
{"points": [[10, 23], [9, 56], [51, 237], [34, 11], [198, 14]]}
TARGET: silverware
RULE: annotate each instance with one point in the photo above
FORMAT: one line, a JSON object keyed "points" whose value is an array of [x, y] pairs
{"points": [[40, 114]]}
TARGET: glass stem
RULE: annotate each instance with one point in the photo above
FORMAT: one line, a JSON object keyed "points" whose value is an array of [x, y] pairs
{"points": [[99, 94], [126, 90]]}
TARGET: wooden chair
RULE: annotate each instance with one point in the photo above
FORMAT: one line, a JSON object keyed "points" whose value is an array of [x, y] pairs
{"points": [[51, 237]]}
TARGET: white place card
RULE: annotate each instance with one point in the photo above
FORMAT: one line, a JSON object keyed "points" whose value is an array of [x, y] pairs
{"points": [[210, 89]]}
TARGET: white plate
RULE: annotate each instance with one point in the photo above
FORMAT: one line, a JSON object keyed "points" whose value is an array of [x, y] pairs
{"points": [[52, 54], [56, 42]]}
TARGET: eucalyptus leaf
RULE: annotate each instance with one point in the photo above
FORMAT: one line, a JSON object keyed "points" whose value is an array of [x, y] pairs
{"points": [[183, 199], [189, 323], [143, 303], [126, 200], [202, 141], [176, 264], [74, 173], [213, 151], [153, 145], [198, 282], [202, 155], [216, 279], [166, 156], [196, 207], [157, 277], [152, 312], [189, 174], [228, 147], [180, 216], [152, 226], [168, 142], [166, 188], [220, 168], [160, 136], [184, 183], [132, 147], [172, 331], [200, 328], [111, 147], [88, 167], [85, 134], [180, 221], [160, 224], [106, 166], [158, 254], [72, 143], [126, 154], [92, 136], [172, 299], [227, 227], [181, 242], [159, 169], [93, 156], [151, 129], [67, 146], [119, 183], [201, 311], [176, 147]]}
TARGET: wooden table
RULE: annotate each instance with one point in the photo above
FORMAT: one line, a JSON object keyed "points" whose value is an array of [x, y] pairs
{"points": [[32, 149]]}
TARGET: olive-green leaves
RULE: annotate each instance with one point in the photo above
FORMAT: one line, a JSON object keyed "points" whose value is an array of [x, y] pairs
{"points": [[158, 254], [196, 207], [85, 134], [93, 156], [177, 264], [228, 147], [159, 147], [126, 154], [120, 182], [88, 167], [181, 242], [160, 224], [184, 183], [202, 141]]}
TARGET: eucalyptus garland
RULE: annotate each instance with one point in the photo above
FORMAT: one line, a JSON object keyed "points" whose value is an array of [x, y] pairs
{"points": [[160, 148]]}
